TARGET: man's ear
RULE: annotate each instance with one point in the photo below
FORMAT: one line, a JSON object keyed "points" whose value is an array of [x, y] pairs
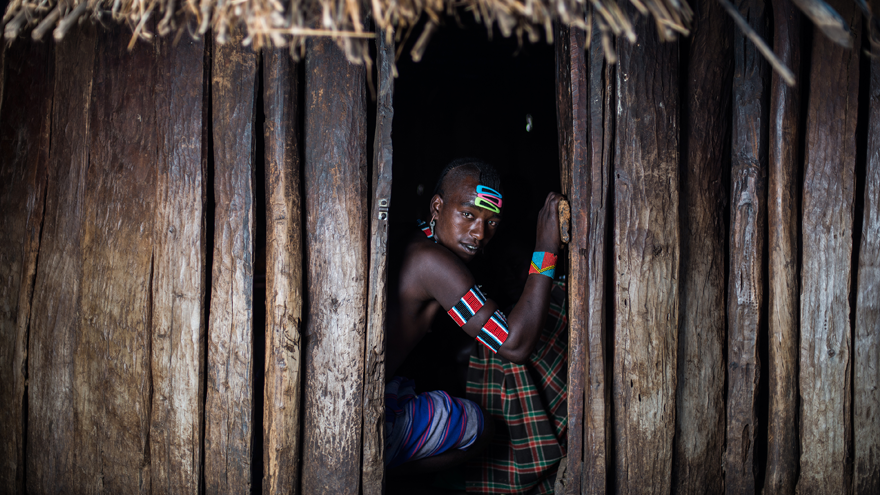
{"points": [[436, 205]]}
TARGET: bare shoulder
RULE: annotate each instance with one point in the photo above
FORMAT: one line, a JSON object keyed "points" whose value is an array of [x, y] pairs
{"points": [[436, 271]]}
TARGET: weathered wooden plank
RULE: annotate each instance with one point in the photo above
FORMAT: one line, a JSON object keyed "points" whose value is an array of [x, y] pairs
{"points": [[782, 211], [178, 322], [336, 256], [825, 337], [284, 276], [374, 378], [571, 94], [699, 419], [748, 204], [229, 404], [112, 382], [53, 450], [24, 152], [597, 417], [646, 261], [866, 400]]}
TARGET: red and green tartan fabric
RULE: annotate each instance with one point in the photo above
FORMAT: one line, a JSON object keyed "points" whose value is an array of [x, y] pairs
{"points": [[528, 405]]}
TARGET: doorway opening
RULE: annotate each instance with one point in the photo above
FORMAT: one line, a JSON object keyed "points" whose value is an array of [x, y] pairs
{"points": [[488, 98]]}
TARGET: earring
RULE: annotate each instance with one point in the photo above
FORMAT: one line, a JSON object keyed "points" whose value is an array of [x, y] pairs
{"points": [[433, 223]]}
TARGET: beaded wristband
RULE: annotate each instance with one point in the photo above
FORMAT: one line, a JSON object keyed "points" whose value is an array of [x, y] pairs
{"points": [[494, 332], [467, 306], [543, 263]]}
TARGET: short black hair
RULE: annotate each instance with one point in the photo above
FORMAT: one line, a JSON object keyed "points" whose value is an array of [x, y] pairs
{"points": [[487, 174]]}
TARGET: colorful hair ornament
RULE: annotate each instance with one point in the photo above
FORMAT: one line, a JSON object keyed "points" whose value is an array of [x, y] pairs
{"points": [[543, 263], [488, 198]]}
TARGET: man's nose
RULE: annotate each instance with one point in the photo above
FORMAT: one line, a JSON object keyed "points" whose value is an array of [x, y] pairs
{"points": [[477, 230]]}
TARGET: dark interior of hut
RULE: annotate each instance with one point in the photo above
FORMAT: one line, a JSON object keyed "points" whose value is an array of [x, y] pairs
{"points": [[472, 96]]}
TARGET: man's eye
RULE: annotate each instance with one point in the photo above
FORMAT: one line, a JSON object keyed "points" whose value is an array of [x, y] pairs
{"points": [[466, 214], [493, 223]]}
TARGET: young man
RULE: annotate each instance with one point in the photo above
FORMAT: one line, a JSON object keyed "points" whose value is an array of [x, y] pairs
{"points": [[431, 276]]}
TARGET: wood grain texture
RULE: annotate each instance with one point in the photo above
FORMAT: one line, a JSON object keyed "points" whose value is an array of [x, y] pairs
{"points": [[284, 275], [782, 213], [646, 261], [571, 95], [866, 401], [374, 380], [229, 404], [178, 323], [336, 259], [53, 450], [699, 419], [112, 378], [748, 205], [24, 153], [825, 342], [595, 243]]}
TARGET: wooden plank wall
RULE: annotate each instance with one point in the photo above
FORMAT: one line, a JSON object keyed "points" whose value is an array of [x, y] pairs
{"points": [[229, 404], [571, 94], [284, 274], [374, 386], [178, 326], [54, 330], [24, 146], [782, 239], [828, 209], [866, 400], [336, 269], [127, 361], [646, 239], [748, 205], [706, 119]]}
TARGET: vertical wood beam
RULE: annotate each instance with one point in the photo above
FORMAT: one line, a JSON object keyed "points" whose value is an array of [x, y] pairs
{"points": [[374, 380], [748, 203], [53, 448], [112, 378], [699, 428], [867, 345], [782, 211], [571, 97], [284, 276], [646, 260], [825, 343], [595, 242], [229, 404], [178, 326], [24, 153], [336, 254]]}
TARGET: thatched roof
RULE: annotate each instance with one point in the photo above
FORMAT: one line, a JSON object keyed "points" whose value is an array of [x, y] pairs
{"points": [[351, 22]]}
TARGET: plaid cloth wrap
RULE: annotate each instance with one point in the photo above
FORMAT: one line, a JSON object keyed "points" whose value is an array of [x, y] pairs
{"points": [[528, 405]]}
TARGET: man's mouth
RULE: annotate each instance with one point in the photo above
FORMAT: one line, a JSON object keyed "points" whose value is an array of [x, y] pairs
{"points": [[470, 248]]}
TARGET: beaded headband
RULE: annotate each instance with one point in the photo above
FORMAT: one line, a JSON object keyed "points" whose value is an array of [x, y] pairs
{"points": [[488, 198]]}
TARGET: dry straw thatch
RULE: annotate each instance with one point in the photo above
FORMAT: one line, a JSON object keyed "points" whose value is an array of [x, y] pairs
{"points": [[290, 22]]}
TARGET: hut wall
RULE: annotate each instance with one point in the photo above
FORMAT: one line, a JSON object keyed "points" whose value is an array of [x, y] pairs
{"points": [[229, 408], [337, 269], [284, 274], [646, 256], [826, 276], [706, 122], [782, 240], [129, 205]]}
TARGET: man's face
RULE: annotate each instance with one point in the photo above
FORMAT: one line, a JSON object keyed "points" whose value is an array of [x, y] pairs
{"points": [[462, 226]]}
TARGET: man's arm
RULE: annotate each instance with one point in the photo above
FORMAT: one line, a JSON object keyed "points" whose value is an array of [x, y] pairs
{"points": [[446, 279]]}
